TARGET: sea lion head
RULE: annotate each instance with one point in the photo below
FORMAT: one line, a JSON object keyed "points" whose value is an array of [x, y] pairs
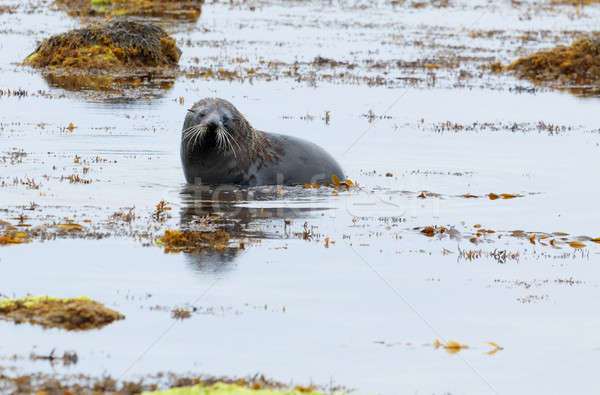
{"points": [[215, 127]]}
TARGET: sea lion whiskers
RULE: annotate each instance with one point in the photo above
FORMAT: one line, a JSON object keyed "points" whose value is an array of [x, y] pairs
{"points": [[188, 132], [224, 139], [188, 135], [194, 133], [221, 143], [199, 133]]}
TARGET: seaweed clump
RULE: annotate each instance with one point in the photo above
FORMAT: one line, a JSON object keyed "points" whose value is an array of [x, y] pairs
{"points": [[577, 64], [100, 56], [10, 235], [175, 241], [49, 312], [172, 9], [232, 389], [53, 383], [108, 47], [577, 3], [9, 238]]}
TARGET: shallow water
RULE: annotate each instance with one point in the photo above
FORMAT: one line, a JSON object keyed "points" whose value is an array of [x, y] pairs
{"points": [[307, 310]]}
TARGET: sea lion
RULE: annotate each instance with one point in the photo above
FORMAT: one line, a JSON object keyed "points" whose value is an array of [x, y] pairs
{"points": [[219, 146]]}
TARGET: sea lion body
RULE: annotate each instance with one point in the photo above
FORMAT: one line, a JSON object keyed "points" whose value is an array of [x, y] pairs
{"points": [[219, 146]]}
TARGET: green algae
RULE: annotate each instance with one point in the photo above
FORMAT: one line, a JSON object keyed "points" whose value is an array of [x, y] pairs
{"points": [[100, 6], [231, 389]]}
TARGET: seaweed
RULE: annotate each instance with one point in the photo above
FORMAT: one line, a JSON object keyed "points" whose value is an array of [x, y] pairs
{"points": [[108, 47], [232, 389], [175, 241], [576, 3], [53, 383], [574, 65], [50, 312], [172, 9], [13, 237], [106, 57]]}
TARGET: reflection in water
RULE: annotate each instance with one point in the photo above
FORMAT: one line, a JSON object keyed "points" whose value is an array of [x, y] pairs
{"points": [[154, 84], [185, 10], [244, 210], [591, 91], [249, 214], [211, 261]]}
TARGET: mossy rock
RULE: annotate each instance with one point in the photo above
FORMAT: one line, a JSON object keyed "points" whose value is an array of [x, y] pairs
{"points": [[562, 66], [231, 389], [109, 58], [66, 313], [121, 44], [171, 9]]}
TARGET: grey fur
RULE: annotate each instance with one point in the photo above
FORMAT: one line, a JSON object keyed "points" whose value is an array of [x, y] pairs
{"points": [[219, 146]]}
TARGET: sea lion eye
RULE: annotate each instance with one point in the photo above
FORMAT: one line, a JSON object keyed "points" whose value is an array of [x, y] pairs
{"points": [[201, 114], [228, 122]]}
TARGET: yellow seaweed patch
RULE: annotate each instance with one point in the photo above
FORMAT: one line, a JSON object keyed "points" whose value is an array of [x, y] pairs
{"points": [[69, 227], [577, 3], [576, 244], [180, 313], [175, 241], [336, 180], [496, 348], [308, 186], [50, 312], [108, 47], [14, 238], [577, 64], [231, 389], [91, 57], [160, 214], [173, 9], [451, 346], [492, 196], [335, 183], [431, 231]]}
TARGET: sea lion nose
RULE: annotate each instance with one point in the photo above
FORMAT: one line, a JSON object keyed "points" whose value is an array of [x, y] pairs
{"points": [[211, 125]]}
